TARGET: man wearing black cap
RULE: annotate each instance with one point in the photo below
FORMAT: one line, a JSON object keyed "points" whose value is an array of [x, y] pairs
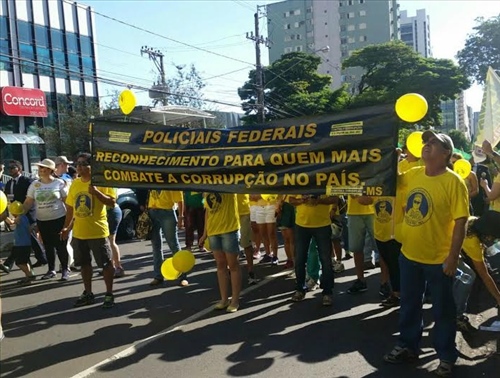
{"points": [[431, 244]]}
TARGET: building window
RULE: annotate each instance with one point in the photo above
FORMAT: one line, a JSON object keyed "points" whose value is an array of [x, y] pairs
{"points": [[5, 61], [299, 48], [74, 66], [296, 25], [343, 28], [25, 33], [351, 40], [59, 63], [350, 27], [72, 42], [296, 12], [309, 10], [57, 39], [363, 38], [350, 15], [288, 38], [88, 68], [288, 26], [351, 2], [27, 53], [41, 36], [43, 59], [299, 36], [361, 1], [341, 4], [310, 34], [362, 13], [343, 40], [288, 50], [362, 26], [286, 14]]}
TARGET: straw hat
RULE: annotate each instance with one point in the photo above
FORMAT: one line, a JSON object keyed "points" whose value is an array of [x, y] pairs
{"points": [[47, 163]]}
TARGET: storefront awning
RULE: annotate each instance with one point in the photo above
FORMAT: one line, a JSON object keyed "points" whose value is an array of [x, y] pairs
{"points": [[20, 139]]}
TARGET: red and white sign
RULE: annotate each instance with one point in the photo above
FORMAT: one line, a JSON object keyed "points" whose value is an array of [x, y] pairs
{"points": [[16, 101]]}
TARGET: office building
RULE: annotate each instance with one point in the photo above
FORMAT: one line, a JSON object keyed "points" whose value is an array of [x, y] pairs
{"points": [[47, 62], [416, 32], [344, 26]]}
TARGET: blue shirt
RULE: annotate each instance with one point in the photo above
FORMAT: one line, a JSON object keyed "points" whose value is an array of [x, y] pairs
{"points": [[22, 236]]}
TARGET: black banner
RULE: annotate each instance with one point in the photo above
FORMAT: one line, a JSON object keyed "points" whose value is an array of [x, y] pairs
{"points": [[352, 153]]}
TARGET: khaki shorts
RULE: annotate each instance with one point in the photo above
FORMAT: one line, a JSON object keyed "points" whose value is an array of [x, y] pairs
{"points": [[101, 249]]}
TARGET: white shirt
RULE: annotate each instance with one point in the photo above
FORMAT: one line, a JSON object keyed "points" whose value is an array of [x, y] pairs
{"points": [[49, 199]]}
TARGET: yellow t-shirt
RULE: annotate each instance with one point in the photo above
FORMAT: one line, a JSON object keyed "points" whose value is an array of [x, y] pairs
{"points": [[495, 204], [388, 218], [310, 216], [432, 205], [355, 208], [222, 213], [243, 204], [405, 165], [164, 199], [472, 246], [89, 213]]}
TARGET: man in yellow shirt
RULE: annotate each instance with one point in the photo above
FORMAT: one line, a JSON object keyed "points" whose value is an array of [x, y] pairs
{"points": [[161, 211], [86, 216], [312, 220], [431, 245]]}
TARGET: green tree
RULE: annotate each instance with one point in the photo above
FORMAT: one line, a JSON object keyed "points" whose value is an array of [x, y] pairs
{"points": [[185, 87], [393, 69], [460, 141], [482, 49], [292, 87], [72, 134]]}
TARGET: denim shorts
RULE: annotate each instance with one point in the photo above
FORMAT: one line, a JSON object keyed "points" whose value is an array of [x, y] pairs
{"points": [[227, 242], [114, 219]]}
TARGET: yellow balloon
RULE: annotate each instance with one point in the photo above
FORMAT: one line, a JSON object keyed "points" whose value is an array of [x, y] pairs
{"points": [[414, 143], [183, 261], [3, 202], [16, 208], [168, 271], [411, 107], [463, 168], [127, 101], [269, 197]]}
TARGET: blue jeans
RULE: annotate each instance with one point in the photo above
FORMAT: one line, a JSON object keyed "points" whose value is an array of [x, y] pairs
{"points": [[414, 275], [164, 222], [322, 235], [313, 265], [462, 291]]}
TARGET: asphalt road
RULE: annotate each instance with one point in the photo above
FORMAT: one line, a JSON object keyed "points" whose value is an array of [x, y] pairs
{"points": [[169, 330]]}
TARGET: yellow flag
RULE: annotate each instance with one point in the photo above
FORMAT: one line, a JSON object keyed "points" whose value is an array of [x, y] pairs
{"points": [[489, 117]]}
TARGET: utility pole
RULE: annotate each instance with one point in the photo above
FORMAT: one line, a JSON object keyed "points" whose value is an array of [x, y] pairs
{"points": [[258, 39], [158, 91]]}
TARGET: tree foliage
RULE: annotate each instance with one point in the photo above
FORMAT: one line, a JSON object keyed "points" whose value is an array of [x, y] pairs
{"points": [[460, 141], [72, 135], [185, 87], [482, 49], [292, 87], [393, 69]]}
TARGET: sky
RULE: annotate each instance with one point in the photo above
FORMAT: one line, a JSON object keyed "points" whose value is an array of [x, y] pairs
{"points": [[211, 35]]}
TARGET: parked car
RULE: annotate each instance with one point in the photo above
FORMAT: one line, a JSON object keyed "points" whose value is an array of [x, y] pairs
{"points": [[128, 201]]}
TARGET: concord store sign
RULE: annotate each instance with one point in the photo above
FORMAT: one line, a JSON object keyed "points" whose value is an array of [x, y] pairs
{"points": [[27, 102]]}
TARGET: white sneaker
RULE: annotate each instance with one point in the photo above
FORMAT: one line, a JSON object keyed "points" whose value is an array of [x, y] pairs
{"points": [[338, 267], [312, 284]]}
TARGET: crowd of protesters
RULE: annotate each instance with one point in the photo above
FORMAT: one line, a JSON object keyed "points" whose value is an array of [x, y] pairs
{"points": [[436, 225]]}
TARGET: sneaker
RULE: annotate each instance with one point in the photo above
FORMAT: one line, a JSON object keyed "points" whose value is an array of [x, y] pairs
{"points": [[312, 284], [50, 274], [463, 325], [64, 275], [6, 269], [400, 355], [385, 290], [289, 264], [275, 261], [368, 265], [358, 287], [109, 300], [266, 259], [256, 255], [298, 296], [327, 300], [444, 369], [338, 267], [119, 272], [392, 301], [85, 299], [251, 279], [26, 280]]}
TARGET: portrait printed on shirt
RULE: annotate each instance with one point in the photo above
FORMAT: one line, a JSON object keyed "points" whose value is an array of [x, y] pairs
{"points": [[418, 207], [83, 205], [214, 201], [383, 211]]}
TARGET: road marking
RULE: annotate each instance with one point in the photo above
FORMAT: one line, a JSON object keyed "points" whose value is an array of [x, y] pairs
{"points": [[142, 343]]}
